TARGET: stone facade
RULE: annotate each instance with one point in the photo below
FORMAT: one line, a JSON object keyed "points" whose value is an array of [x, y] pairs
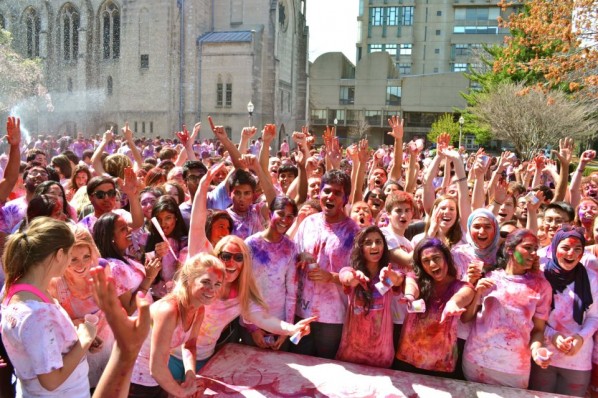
{"points": [[128, 64]]}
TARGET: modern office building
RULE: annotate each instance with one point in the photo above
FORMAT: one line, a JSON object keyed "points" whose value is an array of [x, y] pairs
{"points": [[159, 64], [430, 43]]}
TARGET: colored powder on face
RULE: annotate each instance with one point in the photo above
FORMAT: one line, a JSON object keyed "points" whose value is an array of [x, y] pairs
{"points": [[519, 257]]}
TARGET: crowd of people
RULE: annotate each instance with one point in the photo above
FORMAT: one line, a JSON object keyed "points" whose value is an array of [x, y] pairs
{"points": [[420, 258]]}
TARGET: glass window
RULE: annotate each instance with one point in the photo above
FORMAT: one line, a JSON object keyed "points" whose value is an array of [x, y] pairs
{"points": [[391, 49], [373, 118], [405, 49], [347, 95], [459, 67], [109, 86], [229, 94], [219, 94], [393, 95], [407, 16], [318, 116], [144, 61], [404, 69], [376, 16], [110, 17], [374, 48], [33, 28], [392, 16], [70, 32]]}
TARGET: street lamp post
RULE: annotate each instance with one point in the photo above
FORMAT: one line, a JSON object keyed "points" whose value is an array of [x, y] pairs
{"points": [[250, 109], [461, 122]]}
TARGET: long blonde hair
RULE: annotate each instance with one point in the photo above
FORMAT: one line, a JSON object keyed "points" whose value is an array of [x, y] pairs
{"points": [[246, 285], [84, 238], [192, 269]]}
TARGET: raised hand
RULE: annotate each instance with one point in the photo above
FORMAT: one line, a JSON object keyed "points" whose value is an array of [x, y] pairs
{"points": [[250, 161], [269, 133], [248, 132], [587, 157], [127, 132], [183, 135], [442, 143], [13, 131], [352, 153], [388, 274], [300, 139], [152, 267], [218, 131], [565, 152], [329, 134], [196, 130], [130, 183], [397, 127], [109, 135]]}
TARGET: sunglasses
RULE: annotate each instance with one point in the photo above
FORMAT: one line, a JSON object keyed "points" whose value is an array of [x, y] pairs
{"points": [[102, 194], [226, 256]]}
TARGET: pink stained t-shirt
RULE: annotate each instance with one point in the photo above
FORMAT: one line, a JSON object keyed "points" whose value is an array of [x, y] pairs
{"points": [[367, 338], [500, 335], [561, 321], [425, 342], [331, 244]]}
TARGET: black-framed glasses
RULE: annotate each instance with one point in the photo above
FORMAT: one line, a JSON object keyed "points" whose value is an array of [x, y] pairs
{"points": [[380, 196], [102, 194], [226, 256]]}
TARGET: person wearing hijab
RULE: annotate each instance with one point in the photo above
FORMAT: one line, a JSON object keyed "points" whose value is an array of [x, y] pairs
{"points": [[573, 318], [509, 313], [478, 255]]}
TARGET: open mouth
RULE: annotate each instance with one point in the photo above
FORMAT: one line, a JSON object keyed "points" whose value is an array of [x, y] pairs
{"points": [[231, 270], [503, 215], [436, 272], [378, 182], [329, 206], [569, 261]]}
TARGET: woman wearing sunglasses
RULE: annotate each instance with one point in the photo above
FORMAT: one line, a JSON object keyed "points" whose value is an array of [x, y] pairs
{"points": [[239, 295]]}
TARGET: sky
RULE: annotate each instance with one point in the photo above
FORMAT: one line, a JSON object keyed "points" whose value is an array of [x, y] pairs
{"points": [[332, 27]]}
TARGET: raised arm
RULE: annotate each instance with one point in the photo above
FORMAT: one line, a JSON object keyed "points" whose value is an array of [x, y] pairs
{"points": [[131, 188], [575, 188], [187, 142], [461, 179], [564, 154], [363, 154], [11, 173], [128, 134], [96, 158], [246, 135], [397, 132], [198, 241], [234, 153], [412, 169]]}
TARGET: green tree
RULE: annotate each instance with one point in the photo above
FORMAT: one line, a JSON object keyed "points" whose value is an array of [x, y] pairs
{"points": [[445, 124], [20, 77]]}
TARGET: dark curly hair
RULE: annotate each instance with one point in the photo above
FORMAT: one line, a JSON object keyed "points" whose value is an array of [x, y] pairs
{"points": [[425, 281]]}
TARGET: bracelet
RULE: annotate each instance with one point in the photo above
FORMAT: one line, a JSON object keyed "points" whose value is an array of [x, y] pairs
{"points": [[498, 203], [409, 294], [461, 179]]}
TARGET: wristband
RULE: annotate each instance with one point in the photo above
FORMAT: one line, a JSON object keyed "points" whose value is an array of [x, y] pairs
{"points": [[498, 203], [461, 179]]}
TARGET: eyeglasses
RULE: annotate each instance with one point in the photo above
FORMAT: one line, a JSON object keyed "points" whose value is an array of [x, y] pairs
{"points": [[102, 194], [37, 173], [226, 256]]}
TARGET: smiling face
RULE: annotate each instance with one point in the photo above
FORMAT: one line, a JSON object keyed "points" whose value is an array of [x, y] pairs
{"points": [[206, 288], [521, 210], [373, 248], [282, 219], [313, 187], [482, 232], [568, 253], [361, 214], [80, 265], [233, 267], [506, 210], [376, 200], [285, 179], [587, 211], [167, 221], [447, 210], [122, 235], [434, 263], [554, 219], [332, 200], [590, 190], [525, 255]]}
